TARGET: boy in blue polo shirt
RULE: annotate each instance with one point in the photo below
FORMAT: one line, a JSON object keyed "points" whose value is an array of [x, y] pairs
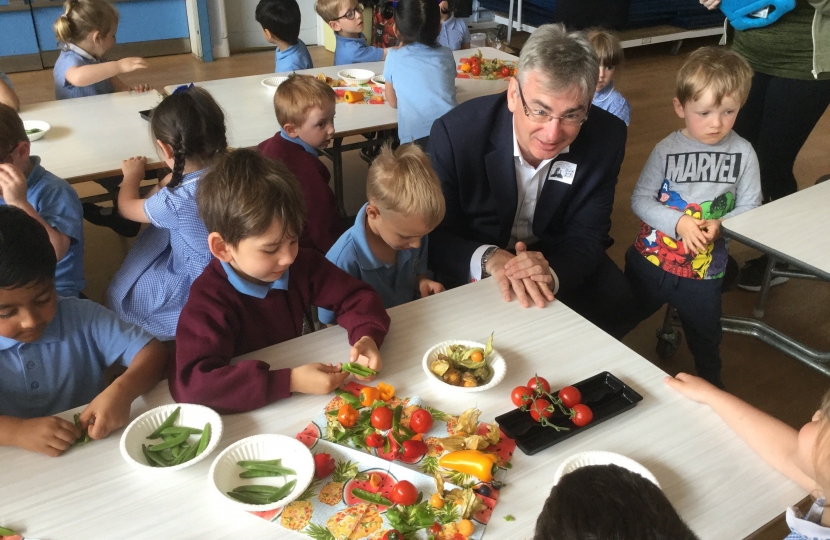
{"points": [[454, 32], [280, 21], [345, 17], [54, 350], [24, 183], [387, 245]]}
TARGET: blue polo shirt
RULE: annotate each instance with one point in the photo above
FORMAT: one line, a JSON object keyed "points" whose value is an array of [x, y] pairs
{"points": [[424, 82], [74, 56], [355, 50], [395, 283], [64, 368], [58, 204], [454, 33], [293, 58], [253, 289]]}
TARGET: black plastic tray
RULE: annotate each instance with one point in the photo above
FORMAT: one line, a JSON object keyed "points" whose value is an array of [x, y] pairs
{"points": [[606, 395]]}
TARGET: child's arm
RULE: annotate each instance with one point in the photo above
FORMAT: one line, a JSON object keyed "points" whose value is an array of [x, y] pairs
{"points": [[13, 191], [391, 97], [8, 96], [770, 438], [427, 287], [110, 410], [48, 435], [130, 203], [94, 73]]}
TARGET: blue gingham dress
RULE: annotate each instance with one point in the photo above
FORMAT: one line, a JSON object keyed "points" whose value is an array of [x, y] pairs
{"points": [[807, 527], [152, 285]]}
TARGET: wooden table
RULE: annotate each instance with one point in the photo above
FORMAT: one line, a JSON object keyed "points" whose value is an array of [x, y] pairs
{"points": [[720, 487]]}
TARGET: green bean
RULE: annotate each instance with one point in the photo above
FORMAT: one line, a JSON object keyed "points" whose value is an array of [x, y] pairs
{"points": [[376, 498], [348, 397], [396, 417], [255, 488], [258, 474], [283, 491], [359, 369], [7, 532], [178, 430], [247, 463], [152, 459], [247, 498], [205, 440], [175, 441], [169, 421], [260, 466]]}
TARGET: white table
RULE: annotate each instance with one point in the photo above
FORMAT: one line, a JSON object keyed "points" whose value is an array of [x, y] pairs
{"points": [[793, 229], [720, 487]]}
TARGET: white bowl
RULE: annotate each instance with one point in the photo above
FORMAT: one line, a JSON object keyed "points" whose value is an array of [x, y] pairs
{"points": [[194, 416], [599, 457], [378, 79], [36, 124], [355, 76], [496, 362], [224, 473], [273, 82]]}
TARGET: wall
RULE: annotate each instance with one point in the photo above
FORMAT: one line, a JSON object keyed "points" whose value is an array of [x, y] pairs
{"points": [[245, 33]]}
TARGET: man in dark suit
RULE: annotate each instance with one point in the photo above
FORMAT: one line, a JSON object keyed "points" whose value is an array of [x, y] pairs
{"points": [[529, 179]]}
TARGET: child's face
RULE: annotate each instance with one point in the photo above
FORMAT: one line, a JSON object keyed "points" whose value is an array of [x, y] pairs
{"points": [[398, 231], [26, 311], [343, 23], [606, 75], [265, 258], [318, 128], [706, 122]]}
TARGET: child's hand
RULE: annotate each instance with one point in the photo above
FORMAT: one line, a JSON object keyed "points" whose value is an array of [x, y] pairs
{"points": [[133, 168], [106, 413], [692, 387], [48, 435], [427, 287], [317, 378], [711, 229], [12, 185], [688, 229], [126, 65], [365, 352], [139, 88]]}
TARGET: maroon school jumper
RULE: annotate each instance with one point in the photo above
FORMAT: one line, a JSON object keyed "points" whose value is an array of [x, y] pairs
{"points": [[322, 222], [218, 323]]}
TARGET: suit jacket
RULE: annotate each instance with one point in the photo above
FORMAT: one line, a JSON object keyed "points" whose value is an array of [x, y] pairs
{"points": [[472, 153]]}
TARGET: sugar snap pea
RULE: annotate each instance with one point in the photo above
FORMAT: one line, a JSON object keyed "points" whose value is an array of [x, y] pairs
{"points": [[247, 463], [152, 458], [376, 498], [258, 474], [247, 498], [256, 488], [205, 440], [178, 430], [359, 369], [256, 466], [169, 421], [283, 491], [7, 532], [170, 443], [348, 397], [186, 454], [84, 438]]}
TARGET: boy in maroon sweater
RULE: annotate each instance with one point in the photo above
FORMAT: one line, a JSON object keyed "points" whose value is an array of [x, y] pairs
{"points": [[245, 300], [305, 110]]}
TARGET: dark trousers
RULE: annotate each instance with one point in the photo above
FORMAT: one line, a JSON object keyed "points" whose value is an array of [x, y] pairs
{"points": [[697, 302], [777, 118]]}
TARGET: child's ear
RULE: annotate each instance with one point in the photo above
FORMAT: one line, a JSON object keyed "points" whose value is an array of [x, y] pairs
{"points": [[166, 149], [372, 211], [678, 108], [290, 130], [219, 248], [95, 36], [268, 35], [334, 25]]}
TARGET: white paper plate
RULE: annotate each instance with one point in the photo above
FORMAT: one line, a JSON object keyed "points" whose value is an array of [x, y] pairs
{"points": [[36, 124], [224, 473], [272, 83], [378, 79], [356, 76], [194, 416], [599, 457], [496, 362]]}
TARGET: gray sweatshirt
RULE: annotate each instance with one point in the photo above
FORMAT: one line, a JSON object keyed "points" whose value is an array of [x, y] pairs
{"points": [[706, 181]]}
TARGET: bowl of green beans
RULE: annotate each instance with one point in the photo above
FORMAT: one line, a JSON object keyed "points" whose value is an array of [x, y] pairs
{"points": [[262, 472], [171, 437]]}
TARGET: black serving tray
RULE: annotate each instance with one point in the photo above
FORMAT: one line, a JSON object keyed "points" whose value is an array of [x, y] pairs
{"points": [[606, 395]]}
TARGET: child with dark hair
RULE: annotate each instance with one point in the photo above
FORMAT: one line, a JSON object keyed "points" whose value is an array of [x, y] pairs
{"points": [[420, 75], [280, 21], [246, 300], [608, 502], [54, 350], [152, 285], [50, 200], [454, 32]]}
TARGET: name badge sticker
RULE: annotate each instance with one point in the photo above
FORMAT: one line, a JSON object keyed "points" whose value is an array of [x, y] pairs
{"points": [[562, 171]]}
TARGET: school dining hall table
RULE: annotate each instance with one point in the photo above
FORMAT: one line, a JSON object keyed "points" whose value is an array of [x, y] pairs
{"points": [[793, 230], [250, 118], [719, 486]]}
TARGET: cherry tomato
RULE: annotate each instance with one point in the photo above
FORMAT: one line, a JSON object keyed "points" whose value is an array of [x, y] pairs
{"points": [[506, 71], [476, 69], [537, 384], [392, 535], [465, 68], [404, 493], [541, 408], [465, 527], [581, 415], [420, 421], [413, 449], [521, 395], [435, 528], [375, 440], [347, 415], [382, 418], [324, 465], [570, 396], [475, 60]]}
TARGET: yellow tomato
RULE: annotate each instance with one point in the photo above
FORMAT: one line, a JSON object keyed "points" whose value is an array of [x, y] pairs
{"points": [[436, 501], [466, 527]]}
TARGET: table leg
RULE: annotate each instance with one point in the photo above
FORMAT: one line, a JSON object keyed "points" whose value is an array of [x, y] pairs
{"points": [[337, 165], [760, 304]]}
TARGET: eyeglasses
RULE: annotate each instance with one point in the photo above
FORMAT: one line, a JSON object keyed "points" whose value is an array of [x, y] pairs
{"points": [[352, 13], [576, 118]]}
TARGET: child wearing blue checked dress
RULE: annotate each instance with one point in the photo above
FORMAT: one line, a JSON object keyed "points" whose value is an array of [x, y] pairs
{"points": [[154, 281]]}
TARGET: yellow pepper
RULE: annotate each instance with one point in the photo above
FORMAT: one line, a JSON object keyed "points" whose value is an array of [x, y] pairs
{"points": [[472, 462], [368, 395], [387, 391]]}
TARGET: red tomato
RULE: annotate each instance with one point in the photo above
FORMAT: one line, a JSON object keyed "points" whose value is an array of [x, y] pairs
{"points": [[324, 465], [537, 384], [404, 493], [521, 395], [475, 70], [505, 71], [475, 60], [435, 528], [414, 449], [382, 418], [375, 440], [420, 421], [581, 415], [541, 407], [570, 396], [392, 535]]}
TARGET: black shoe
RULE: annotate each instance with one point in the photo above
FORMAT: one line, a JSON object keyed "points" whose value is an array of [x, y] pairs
{"points": [[109, 217], [751, 276]]}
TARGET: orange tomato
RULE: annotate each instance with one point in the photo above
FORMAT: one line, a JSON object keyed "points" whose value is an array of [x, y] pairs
{"points": [[466, 68], [347, 415], [353, 97], [368, 395]]}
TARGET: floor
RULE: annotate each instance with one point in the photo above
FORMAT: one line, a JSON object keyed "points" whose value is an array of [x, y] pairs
{"points": [[764, 377]]}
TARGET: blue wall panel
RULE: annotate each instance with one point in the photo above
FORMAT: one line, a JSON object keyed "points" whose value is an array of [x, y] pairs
{"points": [[17, 33]]}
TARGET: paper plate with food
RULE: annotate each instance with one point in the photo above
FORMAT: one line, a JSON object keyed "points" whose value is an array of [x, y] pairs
{"points": [[478, 67], [373, 95]]}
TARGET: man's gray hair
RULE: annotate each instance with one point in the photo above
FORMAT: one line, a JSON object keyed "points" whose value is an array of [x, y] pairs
{"points": [[564, 60]]}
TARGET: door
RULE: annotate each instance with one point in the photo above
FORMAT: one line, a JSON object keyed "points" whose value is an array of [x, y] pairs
{"points": [[245, 33]]}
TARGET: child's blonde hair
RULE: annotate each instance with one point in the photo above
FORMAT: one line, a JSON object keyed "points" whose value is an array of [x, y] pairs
{"points": [[404, 181], [607, 46], [328, 10], [296, 96], [722, 70], [82, 17]]}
